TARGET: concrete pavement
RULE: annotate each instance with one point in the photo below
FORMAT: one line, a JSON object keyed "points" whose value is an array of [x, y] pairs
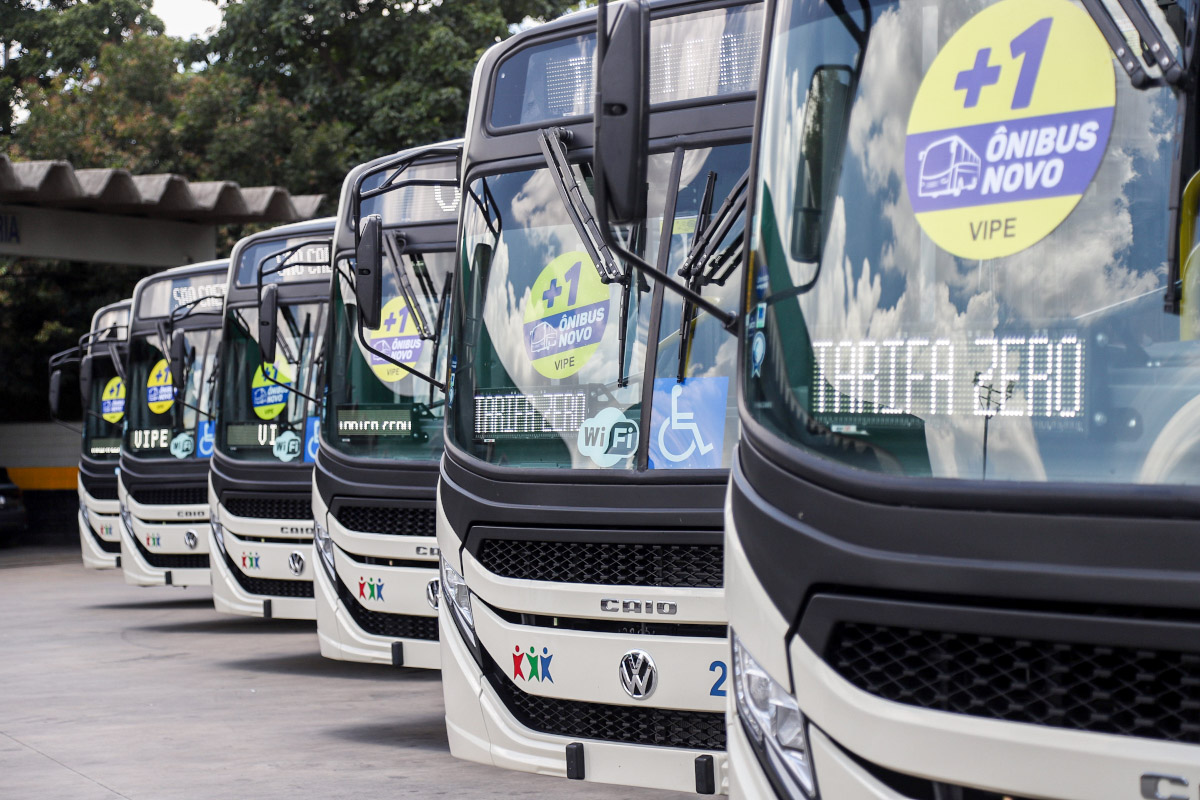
{"points": [[111, 691]]}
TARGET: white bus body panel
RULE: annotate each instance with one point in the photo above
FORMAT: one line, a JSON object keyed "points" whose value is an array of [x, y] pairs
{"points": [[271, 562], [481, 728], [167, 527], [103, 521], [340, 636], [1009, 758]]}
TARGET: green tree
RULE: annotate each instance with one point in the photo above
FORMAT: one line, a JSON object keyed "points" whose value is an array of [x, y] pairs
{"points": [[141, 108], [43, 39], [398, 72]]}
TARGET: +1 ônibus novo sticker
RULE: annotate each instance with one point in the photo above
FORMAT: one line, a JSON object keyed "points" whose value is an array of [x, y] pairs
{"points": [[112, 400], [565, 315], [266, 395], [397, 337], [1009, 126], [160, 392]]}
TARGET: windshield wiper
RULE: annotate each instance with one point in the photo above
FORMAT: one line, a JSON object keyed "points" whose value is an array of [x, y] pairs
{"points": [[443, 302], [1179, 77], [554, 149], [395, 245], [1173, 73]]}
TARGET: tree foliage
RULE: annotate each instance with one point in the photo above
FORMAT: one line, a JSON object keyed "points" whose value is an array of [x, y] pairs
{"points": [[287, 92]]}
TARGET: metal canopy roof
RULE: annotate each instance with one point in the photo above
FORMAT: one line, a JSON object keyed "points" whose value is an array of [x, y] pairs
{"points": [[56, 184]]}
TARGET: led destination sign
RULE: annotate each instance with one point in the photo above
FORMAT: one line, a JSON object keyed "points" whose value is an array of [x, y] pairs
{"points": [[253, 435], [1039, 375], [529, 416], [381, 421], [104, 447]]}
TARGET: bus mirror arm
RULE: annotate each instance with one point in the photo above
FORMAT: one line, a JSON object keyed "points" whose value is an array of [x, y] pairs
{"points": [[554, 150], [362, 339]]}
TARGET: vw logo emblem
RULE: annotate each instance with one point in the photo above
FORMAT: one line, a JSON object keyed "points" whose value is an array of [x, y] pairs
{"points": [[296, 562], [432, 590], [639, 676], [190, 540]]}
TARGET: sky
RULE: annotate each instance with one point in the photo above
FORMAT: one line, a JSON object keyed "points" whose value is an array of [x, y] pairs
{"points": [[187, 18]]}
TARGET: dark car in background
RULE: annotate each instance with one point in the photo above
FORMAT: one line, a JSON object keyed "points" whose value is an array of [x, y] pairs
{"points": [[12, 505]]}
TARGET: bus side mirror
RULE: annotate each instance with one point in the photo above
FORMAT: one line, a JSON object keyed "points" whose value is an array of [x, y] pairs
{"points": [[368, 269], [268, 308], [622, 123], [178, 346], [823, 130], [56, 379]]}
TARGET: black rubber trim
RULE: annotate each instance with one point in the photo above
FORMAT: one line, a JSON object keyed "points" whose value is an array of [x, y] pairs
{"points": [[628, 627], [274, 587], [384, 623], [575, 762], [806, 539], [170, 560], [104, 544], [706, 776], [376, 561], [825, 611]]}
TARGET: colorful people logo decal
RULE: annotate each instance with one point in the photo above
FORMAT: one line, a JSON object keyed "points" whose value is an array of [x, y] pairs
{"points": [[1009, 126], [112, 401], [397, 337], [268, 397], [531, 666], [160, 393], [370, 589], [565, 315]]}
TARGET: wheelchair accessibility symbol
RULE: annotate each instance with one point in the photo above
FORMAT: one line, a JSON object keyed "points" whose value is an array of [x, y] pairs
{"points": [[688, 421], [312, 441]]}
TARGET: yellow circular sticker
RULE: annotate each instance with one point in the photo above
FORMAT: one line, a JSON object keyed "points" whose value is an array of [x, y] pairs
{"points": [[266, 395], [160, 393], [565, 315], [112, 400], [397, 337], [1009, 126]]}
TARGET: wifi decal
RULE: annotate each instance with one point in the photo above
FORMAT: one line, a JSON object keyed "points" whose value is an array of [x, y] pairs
{"points": [[608, 438]]}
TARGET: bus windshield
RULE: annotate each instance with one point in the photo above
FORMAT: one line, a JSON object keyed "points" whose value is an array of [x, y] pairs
{"points": [[960, 248], [376, 408], [160, 423], [261, 417], [551, 367], [104, 411]]}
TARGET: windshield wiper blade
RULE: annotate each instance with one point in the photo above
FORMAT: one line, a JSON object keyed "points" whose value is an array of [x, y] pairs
{"points": [[697, 263], [396, 245], [1173, 73], [554, 150]]}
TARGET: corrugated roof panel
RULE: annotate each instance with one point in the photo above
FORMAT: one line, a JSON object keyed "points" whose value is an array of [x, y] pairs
{"points": [[163, 196]]}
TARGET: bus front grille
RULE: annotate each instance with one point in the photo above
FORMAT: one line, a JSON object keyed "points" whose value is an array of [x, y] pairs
{"points": [[391, 520], [1131, 691], [606, 564], [644, 725]]}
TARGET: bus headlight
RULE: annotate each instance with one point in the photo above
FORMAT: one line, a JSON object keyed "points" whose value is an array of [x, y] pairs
{"points": [[458, 597], [324, 547], [775, 724], [127, 520], [218, 531]]}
